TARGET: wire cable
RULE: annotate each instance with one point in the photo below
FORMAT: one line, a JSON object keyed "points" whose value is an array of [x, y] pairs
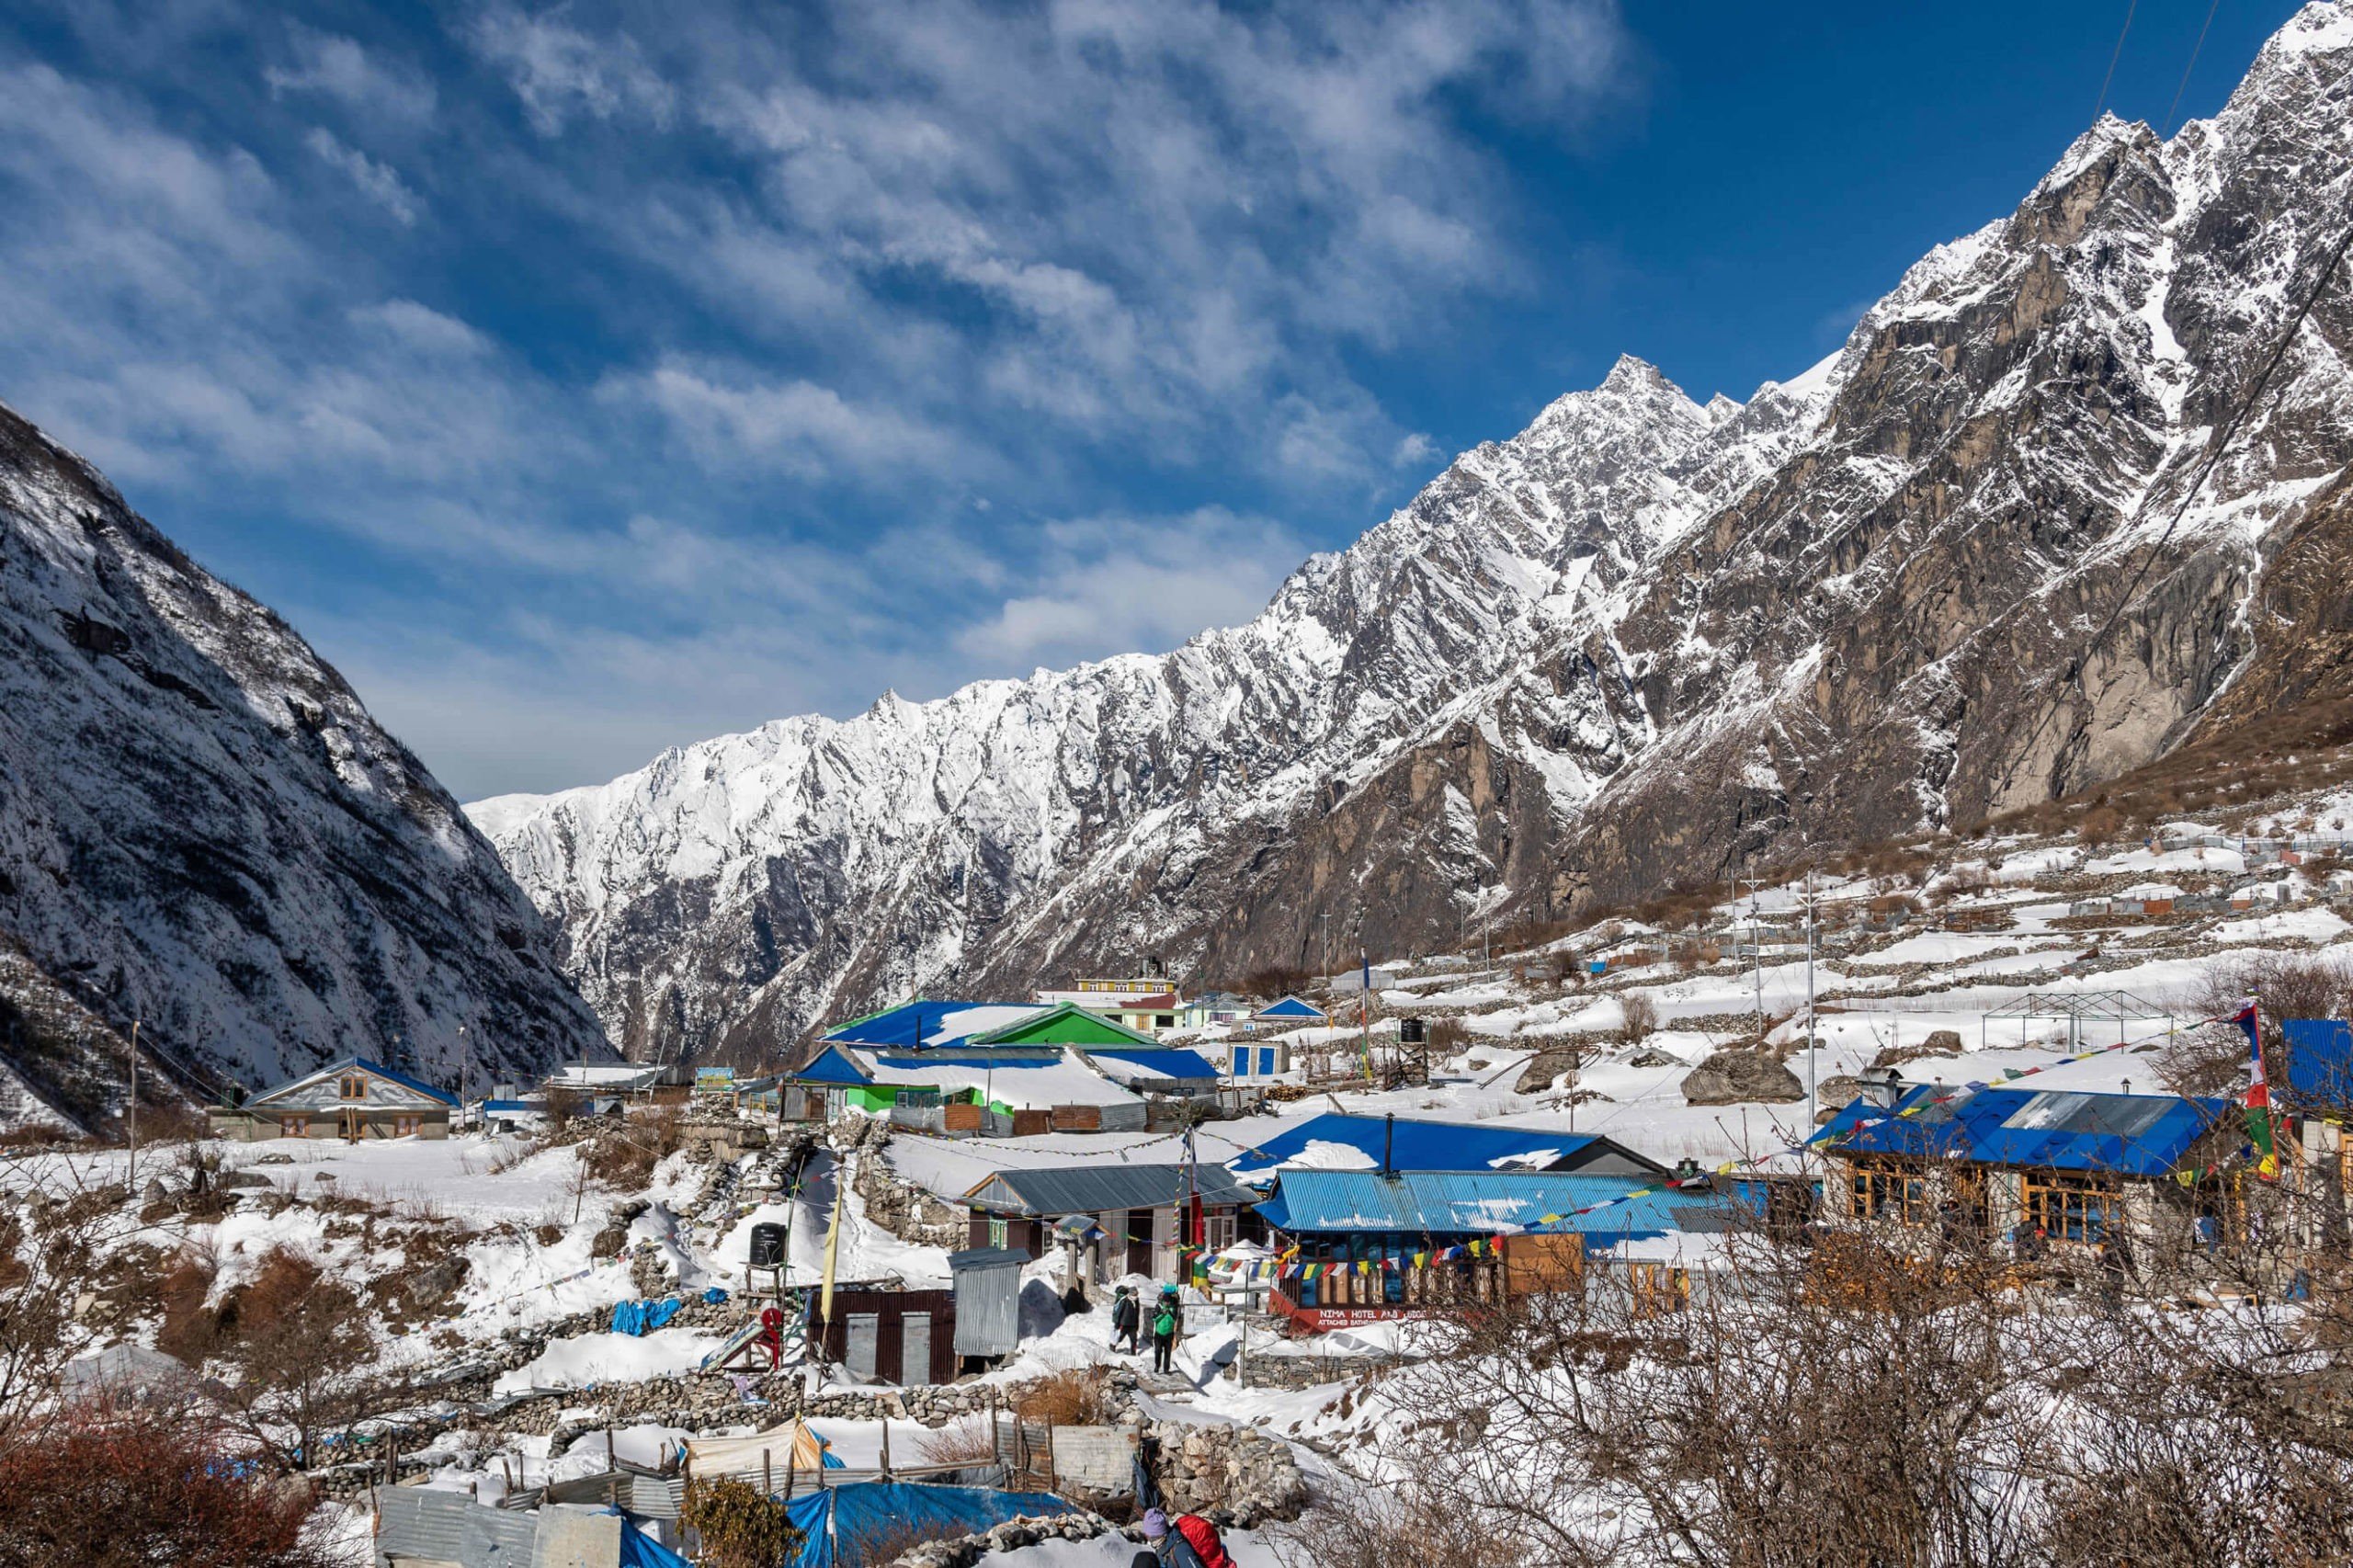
{"points": [[2167, 128], [2215, 448], [2129, 8]]}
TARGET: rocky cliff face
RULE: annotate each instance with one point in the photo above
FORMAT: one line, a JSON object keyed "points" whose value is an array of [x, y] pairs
{"points": [[202, 829], [1637, 645]]}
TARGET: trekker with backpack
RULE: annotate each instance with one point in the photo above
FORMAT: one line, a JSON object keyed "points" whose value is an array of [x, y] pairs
{"points": [[1193, 1542], [1127, 1320], [1167, 1322]]}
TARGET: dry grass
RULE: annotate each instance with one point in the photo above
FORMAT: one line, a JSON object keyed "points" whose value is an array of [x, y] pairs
{"points": [[1079, 1397], [961, 1442]]}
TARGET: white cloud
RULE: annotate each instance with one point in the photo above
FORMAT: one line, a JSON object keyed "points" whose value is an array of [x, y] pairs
{"points": [[556, 68], [1414, 450], [795, 426], [340, 68], [1095, 586], [380, 182]]}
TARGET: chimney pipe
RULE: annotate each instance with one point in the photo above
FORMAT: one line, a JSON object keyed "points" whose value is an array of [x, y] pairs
{"points": [[1389, 1144]]}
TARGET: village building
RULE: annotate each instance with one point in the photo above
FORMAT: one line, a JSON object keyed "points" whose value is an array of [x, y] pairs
{"points": [[1254, 1061], [1214, 1009], [2056, 1166], [1147, 1002], [350, 1099], [1359, 1245], [1338, 1142], [1134, 1213], [1290, 1012]]}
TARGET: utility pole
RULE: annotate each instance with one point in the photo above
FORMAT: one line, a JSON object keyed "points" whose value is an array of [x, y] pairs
{"points": [[1756, 941], [1811, 1055], [130, 1167], [461, 1075]]}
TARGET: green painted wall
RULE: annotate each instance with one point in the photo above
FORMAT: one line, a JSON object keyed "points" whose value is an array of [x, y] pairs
{"points": [[1074, 1025]]}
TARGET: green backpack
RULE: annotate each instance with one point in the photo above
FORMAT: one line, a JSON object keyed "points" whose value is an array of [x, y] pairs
{"points": [[1165, 1323]]}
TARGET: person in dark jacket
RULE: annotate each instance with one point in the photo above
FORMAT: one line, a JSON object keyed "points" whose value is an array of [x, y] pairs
{"points": [[1167, 1322], [1127, 1321]]}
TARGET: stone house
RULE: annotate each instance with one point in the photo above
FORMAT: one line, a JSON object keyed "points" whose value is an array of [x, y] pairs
{"points": [[350, 1099]]}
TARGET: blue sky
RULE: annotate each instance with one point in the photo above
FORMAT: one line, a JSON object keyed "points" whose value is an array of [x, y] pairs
{"points": [[588, 379]]}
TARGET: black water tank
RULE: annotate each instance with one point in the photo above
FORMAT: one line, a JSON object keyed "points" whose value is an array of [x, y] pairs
{"points": [[1410, 1031], [767, 1245]]}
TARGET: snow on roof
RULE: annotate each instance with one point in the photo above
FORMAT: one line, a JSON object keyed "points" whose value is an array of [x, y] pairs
{"points": [[1132, 1066], [1025, 1082], [1413, 1145]]}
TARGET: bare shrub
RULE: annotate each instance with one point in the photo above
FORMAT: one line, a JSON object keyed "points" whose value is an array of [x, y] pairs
{"points": [[127, 1485], [1640, 1017], [1078, 1397], [965, 1442]]}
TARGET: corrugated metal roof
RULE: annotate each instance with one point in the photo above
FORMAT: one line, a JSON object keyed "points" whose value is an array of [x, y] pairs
{"points": [[1181, 1065], [1057, 1190], [1418, 1145], [832, 1065], [450, 1526], [916, 1025], [2136, 1135], [364, 1065], [2320, 1061], [1476, 1203], [1291, 1008]]}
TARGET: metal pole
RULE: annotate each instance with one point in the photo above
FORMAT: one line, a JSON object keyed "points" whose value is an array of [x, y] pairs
{"points": [[131, 1168], [1811, 1055]]}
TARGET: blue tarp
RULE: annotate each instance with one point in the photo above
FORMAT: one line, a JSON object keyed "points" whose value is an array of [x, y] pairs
{"points": [[839, 1523], [641, 1550], [1181, 1065], [2135, 1135], [2320, 1063], [1442, 1204], [637, 1317], [1418, 1145]]}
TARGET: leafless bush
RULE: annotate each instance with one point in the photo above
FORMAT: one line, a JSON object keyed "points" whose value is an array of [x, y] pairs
{"points": [[1640, 1017]]}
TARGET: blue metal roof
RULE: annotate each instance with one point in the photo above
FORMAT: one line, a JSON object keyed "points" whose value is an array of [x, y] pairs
{"points": [[1418, 1145], [1290, 1008], [1167, 1064], [832, 1065], [513, 1105], [2320, 1062], [978, 1063], [907, 1025], [2136, 1135], [1481, 1203]]}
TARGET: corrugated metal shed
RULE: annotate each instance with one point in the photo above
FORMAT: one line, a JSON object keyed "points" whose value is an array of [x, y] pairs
{"points": [[422, 1523], [1056, 1190], [988, 1299], [1480, 1203], [2135, 1135], [1438, 1146]]}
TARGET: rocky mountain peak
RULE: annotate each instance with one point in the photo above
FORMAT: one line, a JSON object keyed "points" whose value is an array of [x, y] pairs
{"points": [[1631, 647]]}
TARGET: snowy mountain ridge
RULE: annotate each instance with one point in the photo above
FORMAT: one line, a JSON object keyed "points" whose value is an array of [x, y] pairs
{"points": [[1636, 646], [203, 831]]}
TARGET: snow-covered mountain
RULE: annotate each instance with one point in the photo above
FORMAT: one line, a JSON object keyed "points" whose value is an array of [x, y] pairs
{"points": [[202, 830], [1634, 646]]}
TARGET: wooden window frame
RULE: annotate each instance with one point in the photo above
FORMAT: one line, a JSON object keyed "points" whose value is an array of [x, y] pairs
{"points": [[1889, 1189], [2060, 1203], [1658, 1290], [294, 1126], [352, 1087], [407, 1125]]}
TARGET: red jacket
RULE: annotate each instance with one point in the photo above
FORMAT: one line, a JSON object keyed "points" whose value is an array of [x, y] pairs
{"points": [[1201, 1536]]}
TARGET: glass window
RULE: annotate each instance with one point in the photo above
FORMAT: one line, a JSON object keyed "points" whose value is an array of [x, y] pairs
{"points": [[1889, 1192], [353, 1086], [2068, 1207]]}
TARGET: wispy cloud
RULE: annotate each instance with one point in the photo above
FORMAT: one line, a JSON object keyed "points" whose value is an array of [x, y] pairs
{"points": [[676, 370], [380, 182]]}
